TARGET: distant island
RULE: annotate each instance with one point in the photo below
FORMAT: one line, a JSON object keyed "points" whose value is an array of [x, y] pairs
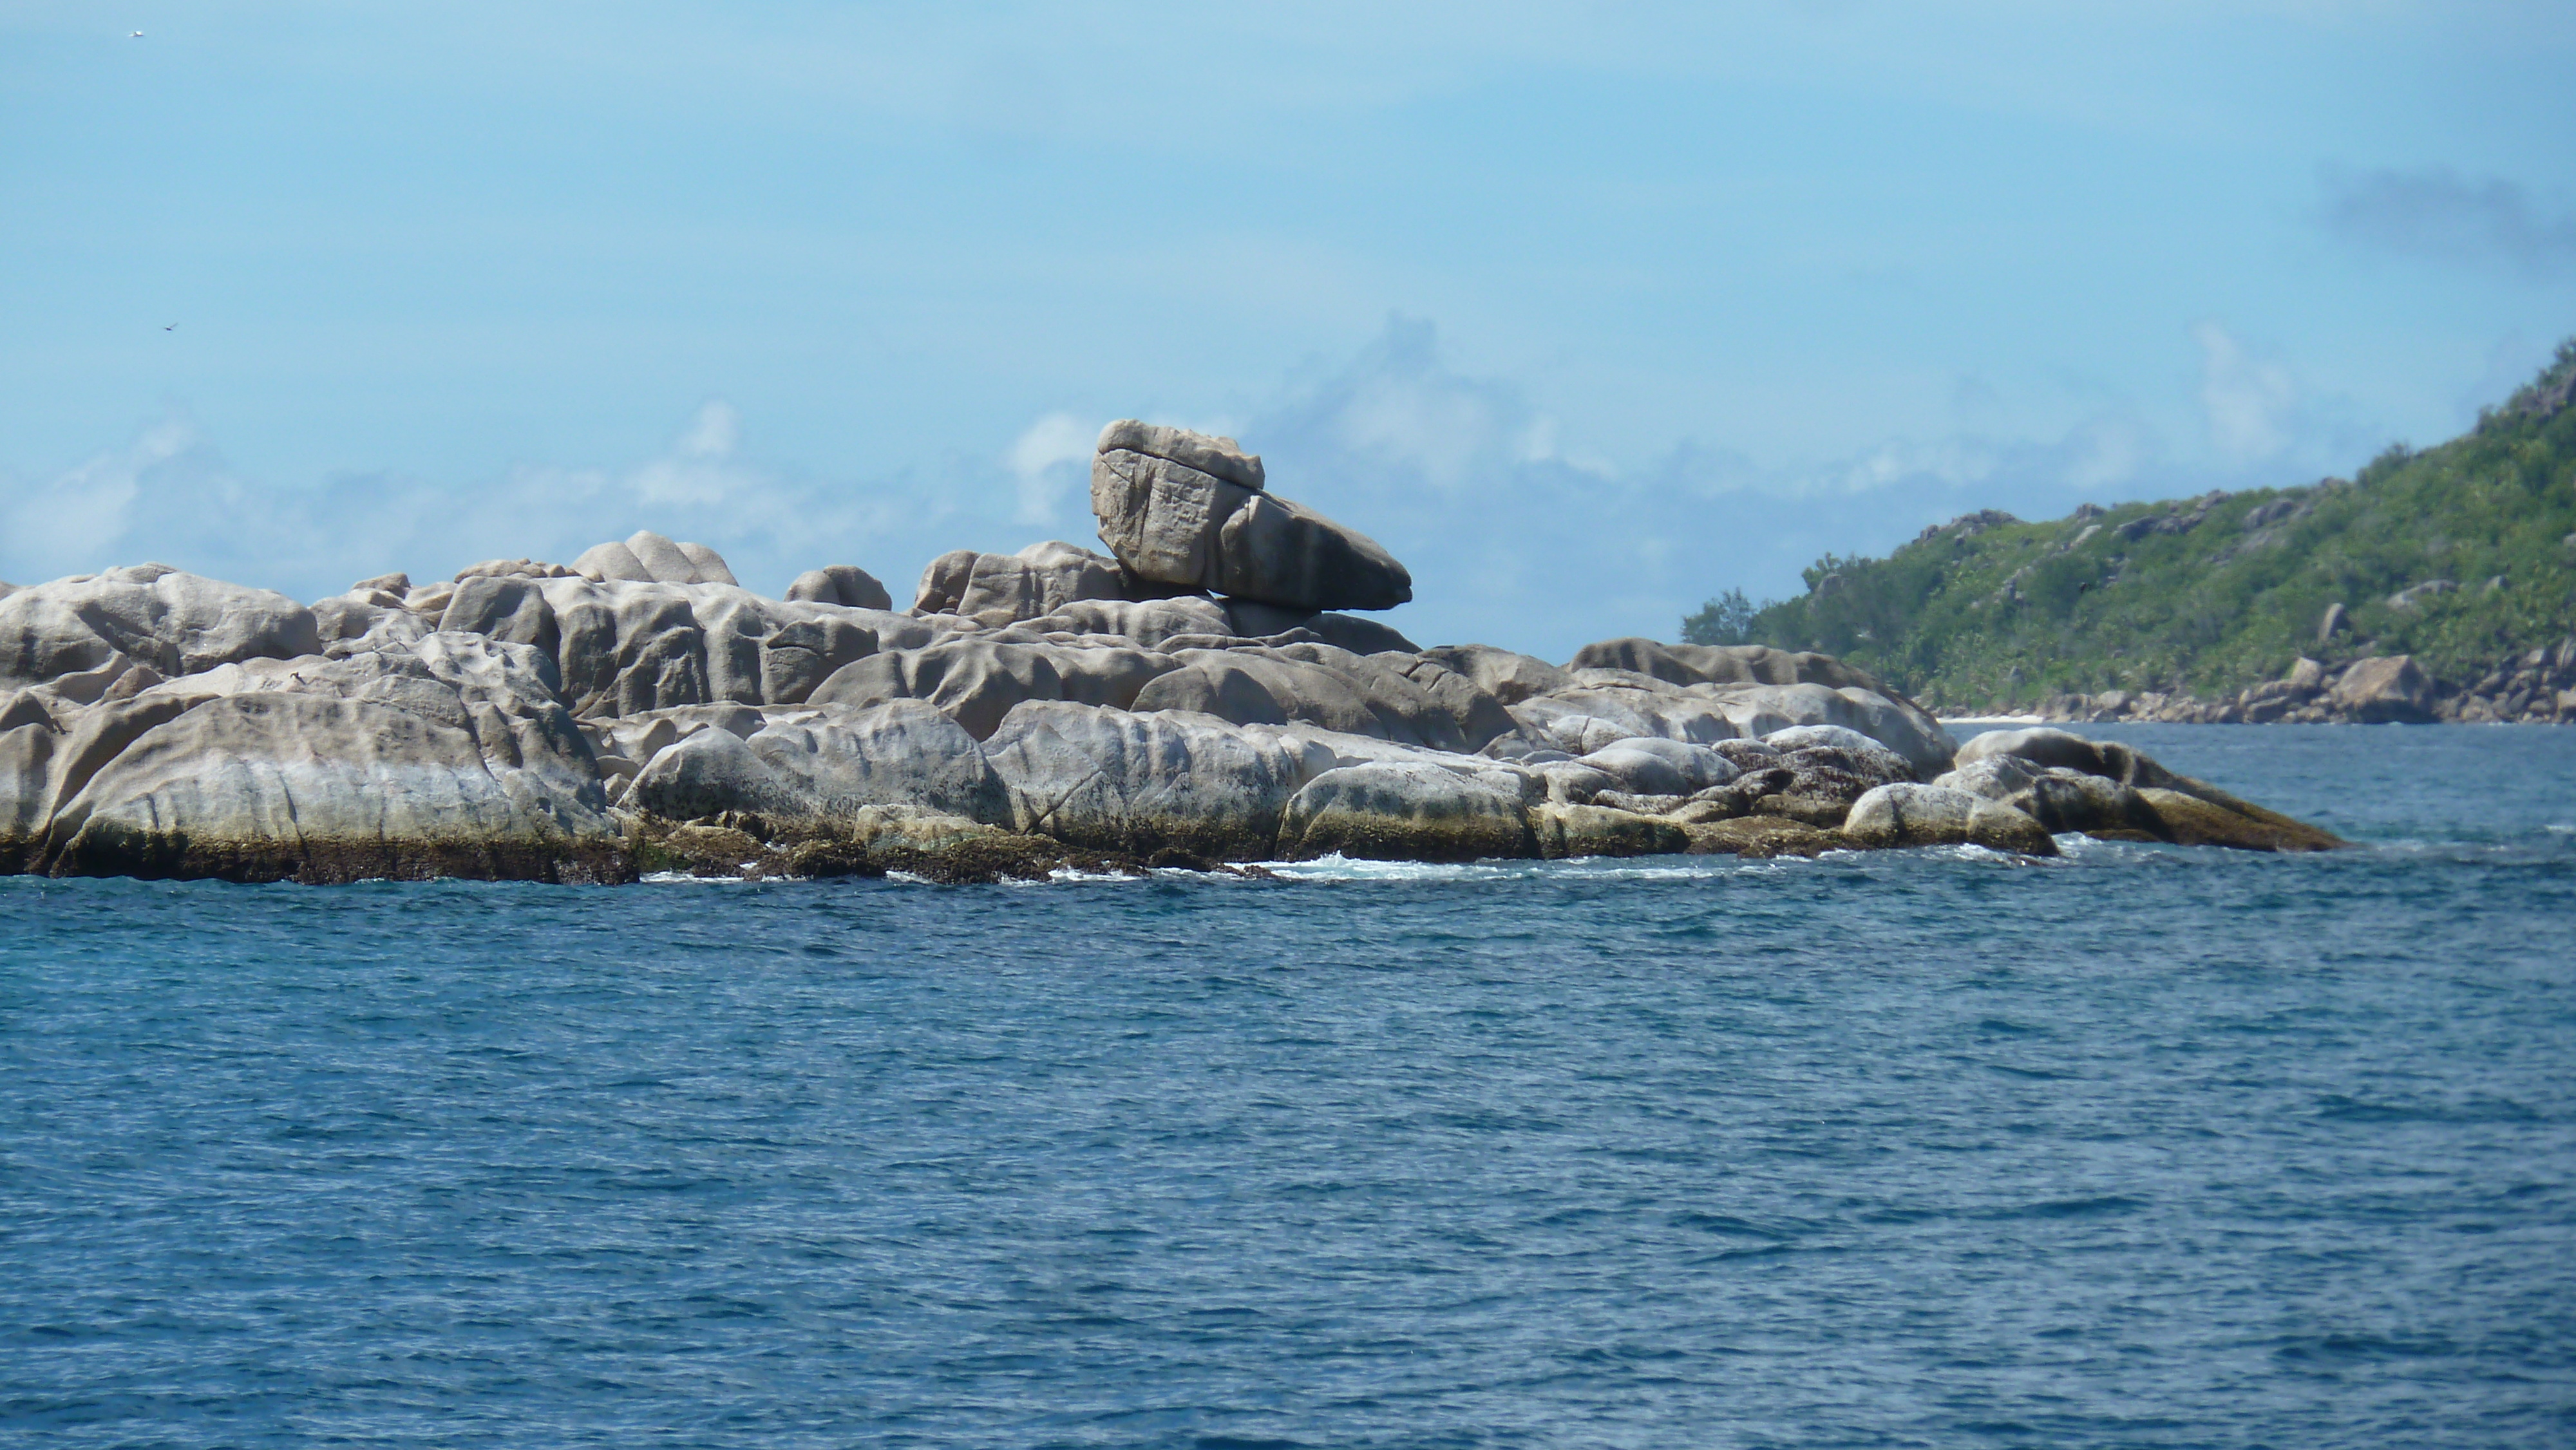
{"points": [[2438, 584]]}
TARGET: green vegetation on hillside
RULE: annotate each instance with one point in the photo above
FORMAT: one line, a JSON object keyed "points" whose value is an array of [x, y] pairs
{"points": [[2457, 555]]}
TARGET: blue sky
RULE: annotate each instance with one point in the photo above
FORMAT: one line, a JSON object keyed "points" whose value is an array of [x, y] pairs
{"points": [[1587, 311]]}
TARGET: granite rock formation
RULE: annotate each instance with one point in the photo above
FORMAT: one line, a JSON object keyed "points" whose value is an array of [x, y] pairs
{"points": [[1191, 699]]}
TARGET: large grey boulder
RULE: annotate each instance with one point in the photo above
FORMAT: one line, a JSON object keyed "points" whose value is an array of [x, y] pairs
{"points": [[901, 753], [650, 558], [843, 584], [630, 648], [978, 681], [1396, 697], [152, 614], [1506, 675], [452, 760], [1654, 766], [1737, 674], [507, 608], [2059, 798], [1564, 830], [2046, 746], [1912, 814], [1113, 780], [1582, 718], [1210, 454], [999, 589], [817, 770], [1171, 520], [2187, 811], [1403, 811], [2381, 689]]}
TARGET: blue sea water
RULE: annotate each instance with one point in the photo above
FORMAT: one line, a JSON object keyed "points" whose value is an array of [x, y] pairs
{"points": [[2144, 1147]]}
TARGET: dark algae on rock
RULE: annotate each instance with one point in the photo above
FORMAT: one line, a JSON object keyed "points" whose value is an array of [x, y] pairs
{"points": [[1193, 699], [2438, 584]]}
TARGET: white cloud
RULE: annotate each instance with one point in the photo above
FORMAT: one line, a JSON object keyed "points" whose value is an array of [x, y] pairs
{"points": [[2248, 400], [85, 509], [1043, 461], [1510, 540], [700, 468]]}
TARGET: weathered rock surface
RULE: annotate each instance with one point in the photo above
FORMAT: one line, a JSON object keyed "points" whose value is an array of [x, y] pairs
{"points": [[1053, 709], [649, 558], [455, 759], [1109, 779], [2379, 690], [1507, 676], [1606, 705], [812, 770], [844, 584], [2183, 810], [1001, 589], [1188, 510], [1560, 831], [1403, 811], [1912, 814], [978, 681], [150, 614]]}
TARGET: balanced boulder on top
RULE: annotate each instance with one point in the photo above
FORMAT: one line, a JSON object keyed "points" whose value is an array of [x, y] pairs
{"points": [[1190, 510]]}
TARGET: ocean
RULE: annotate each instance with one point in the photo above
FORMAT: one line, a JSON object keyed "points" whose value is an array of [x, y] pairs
{"points": [[2140, 1147]]}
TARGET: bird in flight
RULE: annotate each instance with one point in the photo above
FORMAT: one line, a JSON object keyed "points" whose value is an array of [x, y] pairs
{"points": [[173, 327], [138, 35]]}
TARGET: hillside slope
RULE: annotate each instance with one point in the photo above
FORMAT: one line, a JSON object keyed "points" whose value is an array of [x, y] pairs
{"points": [[2462, 556]]}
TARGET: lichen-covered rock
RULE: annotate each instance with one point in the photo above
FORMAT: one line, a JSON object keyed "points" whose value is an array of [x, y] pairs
{"points": [[2254, 827], [1911, 814], [1760, 838], [1561, 831], [1403, 811]]}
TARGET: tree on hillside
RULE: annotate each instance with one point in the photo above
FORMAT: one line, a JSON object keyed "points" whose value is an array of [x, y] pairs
{"points": [[1723, 620]]}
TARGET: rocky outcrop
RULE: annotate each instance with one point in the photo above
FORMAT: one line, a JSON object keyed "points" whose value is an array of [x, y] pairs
{"points": [[979, 681], [151, 615], [1197, 700], [1913, 814], [1147, 784], [1405, 811], [2149, 802], [1190, 511], [1003, 589], [455, 758]]}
